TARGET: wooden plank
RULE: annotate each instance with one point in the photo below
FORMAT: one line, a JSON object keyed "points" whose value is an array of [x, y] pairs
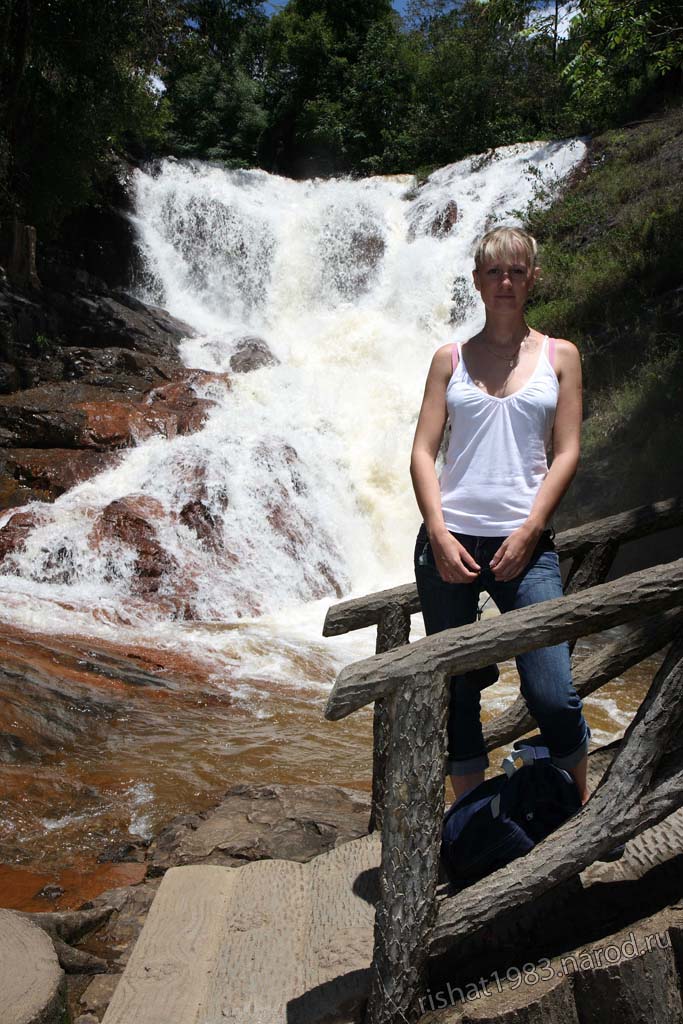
{"points": [[454, 651], [360, 612]]}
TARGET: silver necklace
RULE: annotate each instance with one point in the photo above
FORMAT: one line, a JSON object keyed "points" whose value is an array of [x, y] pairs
{"points": [[511, 361]]}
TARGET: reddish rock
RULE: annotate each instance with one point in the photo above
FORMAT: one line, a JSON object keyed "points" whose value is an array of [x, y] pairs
{"points": [[177, 403], [50, 472], [113, 424], [130, 521], [74, 415], [198, 517], [14, 533], [445, 220]]}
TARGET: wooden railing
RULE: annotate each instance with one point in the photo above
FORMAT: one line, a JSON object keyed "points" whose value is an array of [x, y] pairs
{"points": [[408, 685]]}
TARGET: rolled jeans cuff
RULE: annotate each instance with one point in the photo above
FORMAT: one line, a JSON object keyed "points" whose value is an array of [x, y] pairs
{"points": [[571, 760], [471, 764]]}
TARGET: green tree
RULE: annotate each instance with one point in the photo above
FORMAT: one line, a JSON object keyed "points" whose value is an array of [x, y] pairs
{"points": [[626, 49], [313, 48], [213, 91], [76, 86]]}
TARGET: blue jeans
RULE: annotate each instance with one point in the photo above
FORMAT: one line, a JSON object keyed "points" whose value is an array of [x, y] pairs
{"points": [[545, 674]]}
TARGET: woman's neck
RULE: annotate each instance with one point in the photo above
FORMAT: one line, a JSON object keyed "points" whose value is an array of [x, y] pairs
{"points": [[504, 333]]}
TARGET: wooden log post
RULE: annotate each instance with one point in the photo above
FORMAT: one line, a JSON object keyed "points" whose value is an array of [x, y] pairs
{"points": [[591, 567], [643, 785], [393, 630], [411, 835]]}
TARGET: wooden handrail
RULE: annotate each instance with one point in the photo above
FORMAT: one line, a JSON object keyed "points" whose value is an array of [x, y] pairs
{"points": [[643, 521], [454, 651], [407, 683]]}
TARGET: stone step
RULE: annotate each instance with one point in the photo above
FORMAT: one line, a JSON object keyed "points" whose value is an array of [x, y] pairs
{"points": [[279, 941], [268, 942]]}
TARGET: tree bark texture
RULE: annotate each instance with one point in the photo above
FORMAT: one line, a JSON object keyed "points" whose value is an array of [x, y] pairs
{"points": [[454, 651], [643, 785], [411, 834], [592, 672], [393, 630], [21, 267], [591, 568]]}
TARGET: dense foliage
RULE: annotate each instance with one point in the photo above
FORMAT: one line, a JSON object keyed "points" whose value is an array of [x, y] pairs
{"points": [[318, 87]]}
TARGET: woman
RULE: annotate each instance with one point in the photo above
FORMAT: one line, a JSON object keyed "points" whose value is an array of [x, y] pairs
{"points": [[508, 392]]}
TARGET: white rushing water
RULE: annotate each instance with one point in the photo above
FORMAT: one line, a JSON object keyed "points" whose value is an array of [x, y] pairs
{"points": [[303, 464]]}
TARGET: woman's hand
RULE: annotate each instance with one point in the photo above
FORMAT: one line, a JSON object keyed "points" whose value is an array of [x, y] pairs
{"points": [[515, 552], [453, 561]]}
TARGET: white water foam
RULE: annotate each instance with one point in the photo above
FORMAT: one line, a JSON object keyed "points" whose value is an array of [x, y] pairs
{"points": [[303, 464]]}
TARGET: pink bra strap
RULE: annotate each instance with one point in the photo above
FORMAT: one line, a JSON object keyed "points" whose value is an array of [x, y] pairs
{"points": [[455, 356], [551, 352]]}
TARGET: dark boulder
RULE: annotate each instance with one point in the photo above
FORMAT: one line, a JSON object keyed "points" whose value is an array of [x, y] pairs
{"points": [[251, 354]]}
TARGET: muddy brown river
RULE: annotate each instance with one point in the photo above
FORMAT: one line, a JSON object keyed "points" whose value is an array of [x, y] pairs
{"points": [[102, 743]]}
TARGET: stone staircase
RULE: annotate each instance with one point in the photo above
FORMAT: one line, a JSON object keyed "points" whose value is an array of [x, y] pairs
{"points": [[268, 942], [279, 942]]}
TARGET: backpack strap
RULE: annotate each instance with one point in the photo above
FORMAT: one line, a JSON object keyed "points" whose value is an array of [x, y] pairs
{"points": [[455, 356], [527, 755]]}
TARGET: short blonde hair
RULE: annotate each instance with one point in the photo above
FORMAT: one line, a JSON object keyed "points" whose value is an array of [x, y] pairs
{"points": [[503, 242]]}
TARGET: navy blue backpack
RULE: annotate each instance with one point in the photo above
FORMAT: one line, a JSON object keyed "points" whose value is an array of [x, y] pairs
{"points": [[504, 817]]}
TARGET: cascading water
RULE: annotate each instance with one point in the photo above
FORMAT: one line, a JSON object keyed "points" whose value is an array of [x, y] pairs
{"points": [[304, 462], [301, 466]]}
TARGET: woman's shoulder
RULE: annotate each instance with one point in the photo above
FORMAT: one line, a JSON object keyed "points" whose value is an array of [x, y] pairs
{"points": [[565, 359], [566, 352], [442, 360]]}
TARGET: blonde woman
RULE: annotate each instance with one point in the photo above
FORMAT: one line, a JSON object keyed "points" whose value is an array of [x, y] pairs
{"points": [[509, 392]]}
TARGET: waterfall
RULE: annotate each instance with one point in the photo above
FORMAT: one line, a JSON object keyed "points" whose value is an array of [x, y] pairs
{"points": [[302, 464]]}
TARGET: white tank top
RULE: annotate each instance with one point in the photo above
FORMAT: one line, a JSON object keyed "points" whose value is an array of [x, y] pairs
{"points": [[496, 459]]}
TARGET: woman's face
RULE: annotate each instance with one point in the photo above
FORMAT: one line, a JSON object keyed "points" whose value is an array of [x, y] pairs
{"points": [[505, 282]]}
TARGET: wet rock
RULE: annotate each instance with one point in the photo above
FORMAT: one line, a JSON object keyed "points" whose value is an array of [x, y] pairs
{"points": [[178, 404], [445, 220], [75, 415], [130, 521], [251, 353], [256, 822], [99, 321], [14, 533], [367, 251], [118, 368], [97, 995], [199, 518], [50, 892], [128, 850], [9, 378], [13, 750], [48, 473]]}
